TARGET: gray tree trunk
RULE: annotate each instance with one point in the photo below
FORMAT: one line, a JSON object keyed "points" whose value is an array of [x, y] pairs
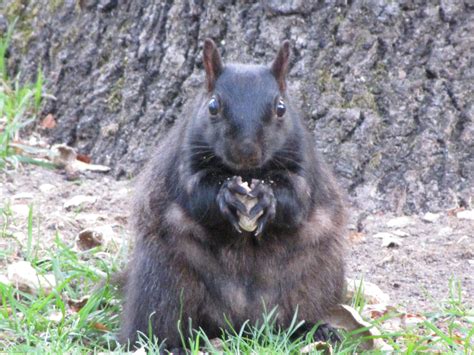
{"points": [[387, 86]]}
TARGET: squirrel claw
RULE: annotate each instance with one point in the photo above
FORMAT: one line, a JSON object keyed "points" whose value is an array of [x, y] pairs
{"points": [[228, 202], [266, 203]]}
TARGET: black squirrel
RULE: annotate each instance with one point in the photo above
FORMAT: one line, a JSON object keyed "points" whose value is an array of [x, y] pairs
{"points": [[193, 264]]}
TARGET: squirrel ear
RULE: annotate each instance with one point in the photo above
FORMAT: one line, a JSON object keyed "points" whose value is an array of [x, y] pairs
{"points": [[212, 63], [280, 65]]}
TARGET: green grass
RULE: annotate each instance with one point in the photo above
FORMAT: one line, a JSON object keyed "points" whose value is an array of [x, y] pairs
{"points": [[27, 324], [19, 105], [26, 320]]}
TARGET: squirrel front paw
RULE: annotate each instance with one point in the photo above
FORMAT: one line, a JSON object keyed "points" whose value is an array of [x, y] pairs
{"points": [[266, 205], [229, 202]]}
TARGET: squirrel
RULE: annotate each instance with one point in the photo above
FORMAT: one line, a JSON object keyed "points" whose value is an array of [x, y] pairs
{"points": [[194, 266]]}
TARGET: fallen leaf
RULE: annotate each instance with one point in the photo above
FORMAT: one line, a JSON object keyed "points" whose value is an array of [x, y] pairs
{"points": [[23, 196], [319, 346], [62, 155], [55, 317], [466, 214], [400, 233], [45, 188], [400, 222], [66, 157], [4, 280], [430, 217], [218, 344], [77, 305], [445, 231], [393, 324], [375, 312], [383, 235], [98, 236], [386, 260], [79, 201], [391, 241], [370, 291], [8, 310], [48, 122], [84, 158], [346, 317], [356, 237], [81, 166], [88, 239], [89, 219], [20, 210], [412, 319], [392, 317], [454, 211], [100, 326], [23, 276]]}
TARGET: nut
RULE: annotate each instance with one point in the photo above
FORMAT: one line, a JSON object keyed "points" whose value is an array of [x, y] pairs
{"points": [[246, 223]]}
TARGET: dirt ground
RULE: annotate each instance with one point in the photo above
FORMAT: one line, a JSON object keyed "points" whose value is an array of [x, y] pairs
{"points": [[415, 269]]}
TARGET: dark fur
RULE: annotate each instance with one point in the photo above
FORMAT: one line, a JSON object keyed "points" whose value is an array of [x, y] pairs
{"points": [[189, 261]]}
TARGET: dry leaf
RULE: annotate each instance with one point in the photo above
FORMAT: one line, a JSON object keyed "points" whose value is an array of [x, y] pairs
{"points": [[23, 196], [4, 280], [79, 201], [400, 222], [400, 233], [454, 211], [356, 237], [86, 218], [98, 236], [88, 239], [371, 292], [430, 217], [81, 166], [84, 158], [100, 326], [382, 235], [66, 156], [319, 346], [391, 241], [62, 155], [77, 305], [55, 317], [346, 317], [410, 319], [20, 210], [24, 277], [45, 188], [48, 122], [386, 260], [218, 344], [466, 214]]}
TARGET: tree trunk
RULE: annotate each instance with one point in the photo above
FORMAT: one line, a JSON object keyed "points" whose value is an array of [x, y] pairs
{"points": [[387, 86]]}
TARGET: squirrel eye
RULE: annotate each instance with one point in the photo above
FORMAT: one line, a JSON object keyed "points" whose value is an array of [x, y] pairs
{"points": [[213, 106], [280, 108]]}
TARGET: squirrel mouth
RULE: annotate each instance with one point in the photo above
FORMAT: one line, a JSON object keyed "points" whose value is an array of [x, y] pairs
{"points": [[243, 165]]}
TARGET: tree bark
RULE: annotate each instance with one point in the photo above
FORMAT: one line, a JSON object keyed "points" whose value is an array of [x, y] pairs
{"points": [[387, 86]]}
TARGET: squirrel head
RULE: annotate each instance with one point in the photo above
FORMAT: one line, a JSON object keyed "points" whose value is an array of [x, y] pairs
{"points": [[245, 115]]}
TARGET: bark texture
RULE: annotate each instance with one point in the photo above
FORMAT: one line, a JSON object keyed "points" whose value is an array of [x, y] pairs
{"points": [[387, 86]]}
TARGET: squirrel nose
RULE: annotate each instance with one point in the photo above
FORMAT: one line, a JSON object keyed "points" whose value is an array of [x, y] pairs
{"points": [[249, 152]]}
